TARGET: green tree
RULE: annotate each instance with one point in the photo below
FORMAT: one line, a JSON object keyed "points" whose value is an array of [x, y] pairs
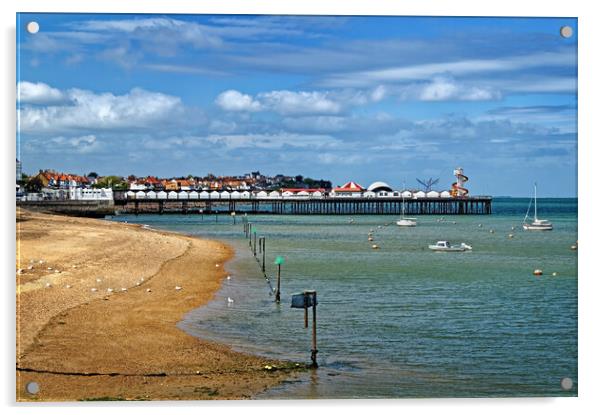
{"points": [[114, 182], [34, 185]]}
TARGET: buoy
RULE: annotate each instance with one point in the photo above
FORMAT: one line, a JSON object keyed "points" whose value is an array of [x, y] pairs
{"points": [[514, 227], [491, 231], [370, 239], [574, 247], [537, 272], [510, 236], [228, 277], [554, 274], [374, 246], [480, 225]]}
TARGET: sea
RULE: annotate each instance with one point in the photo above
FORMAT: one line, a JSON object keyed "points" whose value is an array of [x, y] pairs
{"points": [[401, 321]]}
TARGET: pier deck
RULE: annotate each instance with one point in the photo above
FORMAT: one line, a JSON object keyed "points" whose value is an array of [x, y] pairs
{"points": [[325, 206]]}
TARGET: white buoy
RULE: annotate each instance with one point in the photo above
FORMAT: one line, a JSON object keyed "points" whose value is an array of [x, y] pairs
{"points": [[491, 231], [537, 272], [554, 274], [510, 236], [374, 246]]}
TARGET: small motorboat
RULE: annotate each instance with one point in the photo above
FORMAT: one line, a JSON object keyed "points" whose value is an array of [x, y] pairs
{"points": [[445, 246]]}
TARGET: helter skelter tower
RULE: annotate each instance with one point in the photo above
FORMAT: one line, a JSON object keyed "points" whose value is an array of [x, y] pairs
{"points": [[458, 189]]}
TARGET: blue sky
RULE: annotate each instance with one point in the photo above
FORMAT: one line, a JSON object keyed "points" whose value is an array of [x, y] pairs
{"points": [[339, 98]]}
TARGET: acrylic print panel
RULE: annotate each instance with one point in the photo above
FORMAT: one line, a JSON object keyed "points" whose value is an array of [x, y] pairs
{"points": [[269, 207]]}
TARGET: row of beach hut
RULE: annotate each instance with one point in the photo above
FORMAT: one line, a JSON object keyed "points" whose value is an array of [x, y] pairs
{"points": [[309, 194]]}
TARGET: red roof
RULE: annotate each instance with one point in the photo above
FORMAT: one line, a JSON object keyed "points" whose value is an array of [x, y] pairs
{"points": [[349, 187]]}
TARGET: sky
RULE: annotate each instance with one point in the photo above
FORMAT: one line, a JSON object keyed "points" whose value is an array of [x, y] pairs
{"points": [[328, 97]]}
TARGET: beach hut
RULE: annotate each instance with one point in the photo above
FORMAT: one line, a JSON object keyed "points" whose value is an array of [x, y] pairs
{"points": [[193, 195], [445, 193], [151, 195], [274, 194], [287, 193], [369, 193], [245, 195], [303, 193], [140, 195], [406, 193], [204, 195], [183, 195], [214, 195], [224, 195], [419, 194], [172, 195], [316, 194], [261, 195], [432, 193], [235, 194], [161, 195], [130, 194]]}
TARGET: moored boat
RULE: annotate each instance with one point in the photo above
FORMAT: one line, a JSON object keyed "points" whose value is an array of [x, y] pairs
{"points": [[445, 246]]}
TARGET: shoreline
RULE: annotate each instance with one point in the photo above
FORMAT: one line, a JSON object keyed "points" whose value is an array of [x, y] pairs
{"points": [[80, 337]]}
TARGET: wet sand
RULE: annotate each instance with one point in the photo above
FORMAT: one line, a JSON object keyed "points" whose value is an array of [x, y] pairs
{"points": [[96, 318]]}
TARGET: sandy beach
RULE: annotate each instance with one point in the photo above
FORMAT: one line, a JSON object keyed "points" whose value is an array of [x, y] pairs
{"points": [[97, 308]]}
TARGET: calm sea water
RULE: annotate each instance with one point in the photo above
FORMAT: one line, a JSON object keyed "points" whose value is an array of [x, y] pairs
{"points": [[403, 321]]}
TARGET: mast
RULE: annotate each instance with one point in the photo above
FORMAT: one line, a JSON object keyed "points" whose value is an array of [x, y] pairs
{"points": [[535, 201]]}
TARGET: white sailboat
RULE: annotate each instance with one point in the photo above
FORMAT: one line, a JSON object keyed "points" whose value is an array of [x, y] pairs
{"points": [[537, 224], [403, 221]]}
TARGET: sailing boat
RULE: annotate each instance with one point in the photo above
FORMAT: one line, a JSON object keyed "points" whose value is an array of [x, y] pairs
{"points": [[403, 221], [537, 224]]}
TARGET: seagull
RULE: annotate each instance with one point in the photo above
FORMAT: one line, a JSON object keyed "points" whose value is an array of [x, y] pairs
{"points": [[228, 277], [230, 300]]}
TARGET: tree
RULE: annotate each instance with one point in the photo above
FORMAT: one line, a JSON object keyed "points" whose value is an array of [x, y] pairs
{"points": [[93, 174], [114, 182], [299, 178], [34, 185]]}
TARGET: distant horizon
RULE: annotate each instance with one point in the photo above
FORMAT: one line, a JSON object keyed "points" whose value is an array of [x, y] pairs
{"points": [[342, 98]]}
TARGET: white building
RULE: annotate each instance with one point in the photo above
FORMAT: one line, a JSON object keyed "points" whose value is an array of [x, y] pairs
{"points": [[183, 195], [151, 195], [91, 194], [432, 193], [419, 194], [161, 195], [261, 195], [172, 195], [193, 195]]}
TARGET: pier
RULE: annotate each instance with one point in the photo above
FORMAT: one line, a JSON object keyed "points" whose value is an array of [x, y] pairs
{"points": [[479, 205]]}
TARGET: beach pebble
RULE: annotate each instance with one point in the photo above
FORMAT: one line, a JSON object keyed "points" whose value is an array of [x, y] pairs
{"points": [[30, 267], [178, 288], [19, 271], [93, 289], [67, 286], [49, 268], [216, 265], [148, 290], [109, 290], [98, 280], [124, 289], [537, 272], [48, 285]]}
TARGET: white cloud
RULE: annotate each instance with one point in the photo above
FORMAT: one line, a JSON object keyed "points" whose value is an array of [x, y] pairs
{"points": [[37, 93], [232, 100], [292, 102], [137, 109], [83, 144], [456, 68], [274, 141], [448, 89]]}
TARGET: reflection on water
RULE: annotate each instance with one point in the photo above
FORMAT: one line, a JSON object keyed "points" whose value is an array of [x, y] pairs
{"points": [[402, 321]]}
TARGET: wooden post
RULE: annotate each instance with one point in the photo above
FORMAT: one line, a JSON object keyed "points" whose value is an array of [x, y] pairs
{"points": [[263, 260], [314, 340], [278, 286], [255, 243]]}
